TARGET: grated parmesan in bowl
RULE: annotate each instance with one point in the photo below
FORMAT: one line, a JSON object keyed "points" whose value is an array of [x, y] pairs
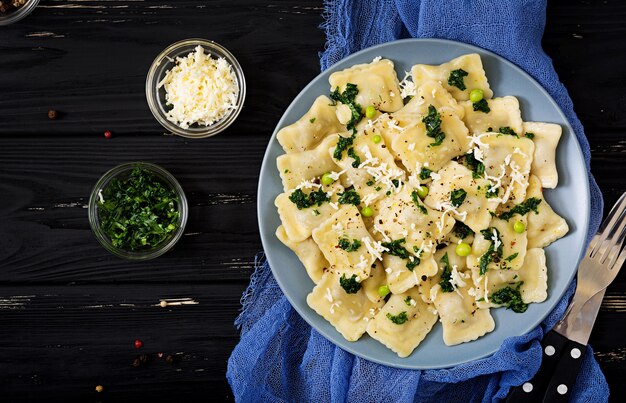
{"points": [[195, 88]]}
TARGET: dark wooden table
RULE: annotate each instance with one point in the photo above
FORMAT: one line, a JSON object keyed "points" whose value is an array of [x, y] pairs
{"points": [[69, 311]]}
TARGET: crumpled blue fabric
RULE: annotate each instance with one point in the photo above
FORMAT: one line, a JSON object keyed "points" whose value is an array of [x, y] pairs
{"points": [[280, 358]]}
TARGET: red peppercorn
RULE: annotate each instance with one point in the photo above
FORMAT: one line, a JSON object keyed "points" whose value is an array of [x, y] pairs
{"points": [[138, 343], [108, 134]]}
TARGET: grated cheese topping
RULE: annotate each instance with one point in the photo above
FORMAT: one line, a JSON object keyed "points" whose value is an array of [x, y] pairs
{"points": [[407, 86], [200, 89]]}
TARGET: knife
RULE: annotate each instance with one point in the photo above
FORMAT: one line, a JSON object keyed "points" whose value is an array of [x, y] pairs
{"points": [[565, 345]]}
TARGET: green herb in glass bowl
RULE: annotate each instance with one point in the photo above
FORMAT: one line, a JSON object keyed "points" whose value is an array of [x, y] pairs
{"points": [[138, 210]]}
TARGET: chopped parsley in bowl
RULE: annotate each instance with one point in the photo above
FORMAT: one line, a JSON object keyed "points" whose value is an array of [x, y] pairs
{"points": [[138, 211]]}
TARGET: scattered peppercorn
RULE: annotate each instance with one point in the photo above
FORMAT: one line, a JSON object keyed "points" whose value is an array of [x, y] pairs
{"points": [[52, 114], [108, 134], [138, 343], [99, 388]]}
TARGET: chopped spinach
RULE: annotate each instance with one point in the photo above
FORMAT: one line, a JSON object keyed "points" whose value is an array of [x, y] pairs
{"points": [[511, 257], [348, 97], [408, 300], [461, 230], [493, 254], [357, 160], [350, 285], [481, 106], [456, 78], [416, 199], [312, 120], [523, 208], [433, 126], [511, 298], [138, 212], [342, 145], [530, 135], [344, 243], [457, 196], [490, 194], [398, 319], [303, 200], [476, 166], [445, 284], [350, 196], [396, 248], [507, 130], [425, 173]]}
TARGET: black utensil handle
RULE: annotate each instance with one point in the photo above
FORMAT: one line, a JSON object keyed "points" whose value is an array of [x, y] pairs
{"points": [[560, 364]]}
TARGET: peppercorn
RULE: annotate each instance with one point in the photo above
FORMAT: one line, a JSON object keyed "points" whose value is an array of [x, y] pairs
{"points": [[136, 363], [52, 114], [108, 134], [99, 388], [138, 343]]}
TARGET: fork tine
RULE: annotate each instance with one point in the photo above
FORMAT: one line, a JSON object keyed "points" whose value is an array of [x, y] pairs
{"points": [[619, 263], [614, 240], [606, 229]]}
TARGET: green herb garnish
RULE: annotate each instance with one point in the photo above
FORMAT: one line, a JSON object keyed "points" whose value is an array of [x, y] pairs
{"points": [[511, 298], [398, 319], [396, 248], [461, 230], [412, 264], [490, 193], [357, 160], [433, 126], [511, 257], [342, 145], [303, 200], [408, 300], [493, 254], [530, 135], [350, 285], [445, 284], [312, 120], [455, 78], [138, 212], [507, 130], [345, 244], [481, 106], [457, 196], [416, 199], [425, 173], [348, 97], [477, 167], [350, 196], [523, 208]]}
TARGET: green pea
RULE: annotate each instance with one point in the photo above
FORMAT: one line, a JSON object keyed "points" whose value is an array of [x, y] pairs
{"points": [[519, 227], [377, 139], [327, 179], [367, 211], [476, 95], [383, 290], [422, 191], [463, 249], [370, 112]]}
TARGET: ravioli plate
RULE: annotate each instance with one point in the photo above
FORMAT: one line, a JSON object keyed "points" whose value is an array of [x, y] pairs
{"points": [[570, 200]]}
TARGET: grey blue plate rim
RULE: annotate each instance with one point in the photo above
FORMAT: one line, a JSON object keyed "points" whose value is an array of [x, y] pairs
{"points": [[446, 356]]}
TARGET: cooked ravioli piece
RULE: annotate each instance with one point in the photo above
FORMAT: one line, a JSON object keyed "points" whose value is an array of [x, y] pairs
{"points": [[348, 313], [470, 63], [402, 323], [498, 246], [377, 84], [308, 252], [306, 133], [299, 223], [296, 168], [416, 149], [462, 320], [429, 93], [471, 196], [401, 278], [342, 238], [504, 112], [370, 168], [377, 278], [546, 137], [533, 277], [546, 226], [507, 161]]}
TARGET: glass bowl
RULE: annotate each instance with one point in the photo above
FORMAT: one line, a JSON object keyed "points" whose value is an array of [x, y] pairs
{"points": [[18, 14], [121, 171], [156, 96]]}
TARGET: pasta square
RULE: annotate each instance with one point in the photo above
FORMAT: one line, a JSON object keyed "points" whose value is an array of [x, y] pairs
{"points": [[546, 226], [504, 112], [295, 168], [314, 126], [308, 252], [546, 137]]}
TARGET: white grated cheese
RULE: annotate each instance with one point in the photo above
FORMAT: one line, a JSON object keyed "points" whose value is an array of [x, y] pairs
{"points": [[388, 270], [434, 291], [377, 59], [200, 89], [329, 295], [374, 248], [335, 175], [334, 205], [471, 292], [380, 231], [486, 288], [407, 86], [434, 175], [308, 185], [411, 147], [496, 240], [337, 227], [362, 265]]}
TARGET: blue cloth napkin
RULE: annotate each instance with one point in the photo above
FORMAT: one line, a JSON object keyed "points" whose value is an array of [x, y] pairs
{"points": [[280, 358]]}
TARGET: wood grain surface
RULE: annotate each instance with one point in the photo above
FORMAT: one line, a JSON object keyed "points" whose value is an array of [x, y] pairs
{"points": [[69, 311]]}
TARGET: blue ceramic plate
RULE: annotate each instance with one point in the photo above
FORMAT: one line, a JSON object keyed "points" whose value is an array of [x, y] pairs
{"points": [[570, 200]]}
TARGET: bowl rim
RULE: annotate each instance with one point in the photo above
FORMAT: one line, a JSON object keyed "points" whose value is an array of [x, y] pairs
{"points": [[163, 174], [20, 13], [152, 92]]}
